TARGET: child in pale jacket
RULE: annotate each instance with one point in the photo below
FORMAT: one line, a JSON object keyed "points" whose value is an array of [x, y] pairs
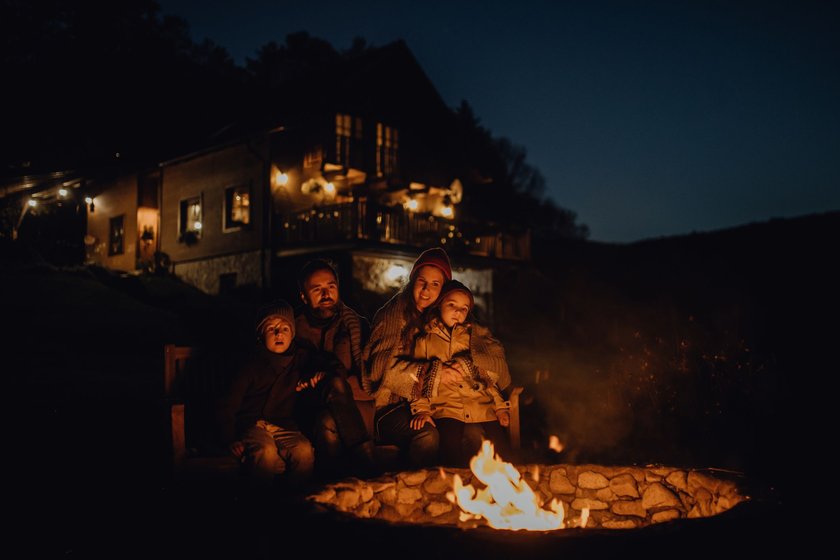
{"points": [[452, 404]]}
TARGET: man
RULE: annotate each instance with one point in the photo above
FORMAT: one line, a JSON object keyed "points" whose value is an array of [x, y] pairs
{"points": [[329, 324], [334, 328]]}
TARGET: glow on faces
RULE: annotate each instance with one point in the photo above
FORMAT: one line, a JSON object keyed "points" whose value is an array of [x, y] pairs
{"points": [[277, 335], [454, 308], [427, 285], [320, 292]]}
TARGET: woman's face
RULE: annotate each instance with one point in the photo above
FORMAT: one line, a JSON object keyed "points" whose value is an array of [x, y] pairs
{"points": [[427, 285]]}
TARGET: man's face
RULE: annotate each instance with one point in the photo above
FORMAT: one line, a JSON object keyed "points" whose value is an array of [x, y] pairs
{"points": [[277, 335], [320, 293], [454, 308], [427, 286]]}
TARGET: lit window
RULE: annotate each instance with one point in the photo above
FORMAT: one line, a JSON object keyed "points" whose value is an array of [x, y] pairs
{"points": [[343, 133], [190, 219], [237, 207], [313, 158], [116, 236], [347, 131], [387, 146]]}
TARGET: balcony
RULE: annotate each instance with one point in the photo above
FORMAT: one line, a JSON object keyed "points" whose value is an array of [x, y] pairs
{"points": [[363, 220]]}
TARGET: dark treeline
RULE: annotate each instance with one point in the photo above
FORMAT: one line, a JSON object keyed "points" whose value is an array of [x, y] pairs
{"points": [[96, 85]]}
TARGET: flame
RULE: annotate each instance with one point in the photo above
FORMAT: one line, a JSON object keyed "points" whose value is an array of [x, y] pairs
{"points": [[584, 517], [507, 502], [555, 444]]}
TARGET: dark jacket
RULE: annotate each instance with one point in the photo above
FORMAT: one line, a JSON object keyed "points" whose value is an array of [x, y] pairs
{"points": [[264, 387], [344, 334]]}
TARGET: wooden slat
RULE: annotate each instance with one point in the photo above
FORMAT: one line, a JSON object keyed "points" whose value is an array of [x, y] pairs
{"points": [[179, 440]]}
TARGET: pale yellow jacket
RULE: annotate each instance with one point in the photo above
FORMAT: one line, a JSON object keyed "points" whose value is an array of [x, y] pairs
{"points": [[473, 399]]}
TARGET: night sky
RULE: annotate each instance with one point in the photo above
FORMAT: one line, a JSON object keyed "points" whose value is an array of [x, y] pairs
{"points": [[646, 118]]}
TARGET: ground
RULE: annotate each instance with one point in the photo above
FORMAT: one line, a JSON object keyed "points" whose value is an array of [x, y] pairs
{"points": [[82, 363]]}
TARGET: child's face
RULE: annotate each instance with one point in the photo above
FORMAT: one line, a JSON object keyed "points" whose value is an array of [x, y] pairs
{"points": [[454, 308], [277, 335]]}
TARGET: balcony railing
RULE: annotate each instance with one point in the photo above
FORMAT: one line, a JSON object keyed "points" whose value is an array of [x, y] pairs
{"points": [[361, 220]]}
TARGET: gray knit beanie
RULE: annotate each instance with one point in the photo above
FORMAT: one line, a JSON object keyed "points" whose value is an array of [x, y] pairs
{"points": [[277, 308]]}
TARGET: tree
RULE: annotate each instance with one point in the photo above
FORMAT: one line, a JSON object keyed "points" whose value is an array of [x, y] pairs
{"points": [[504, 188]]}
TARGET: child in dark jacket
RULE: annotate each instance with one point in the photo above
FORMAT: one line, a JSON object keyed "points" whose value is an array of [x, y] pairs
{"points": [[279, 394]]}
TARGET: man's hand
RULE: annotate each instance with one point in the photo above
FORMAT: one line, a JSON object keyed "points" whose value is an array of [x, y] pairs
{"points": [[420, 420], [504, 417], [237, 449], [311, 382]]}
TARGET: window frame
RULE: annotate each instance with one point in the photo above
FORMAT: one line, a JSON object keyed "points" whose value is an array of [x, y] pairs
{"points": [[183, 206], [111, 222], [230, 225]]}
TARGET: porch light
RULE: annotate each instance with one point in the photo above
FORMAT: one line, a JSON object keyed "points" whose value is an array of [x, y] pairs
{"points": [[395, 273]]}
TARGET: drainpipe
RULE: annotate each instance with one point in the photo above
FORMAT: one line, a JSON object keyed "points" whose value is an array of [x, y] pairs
{"points": [[160, 212]]}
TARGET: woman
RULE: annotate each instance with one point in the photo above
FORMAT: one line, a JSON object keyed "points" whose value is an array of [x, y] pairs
{"points": [[394, 376]]}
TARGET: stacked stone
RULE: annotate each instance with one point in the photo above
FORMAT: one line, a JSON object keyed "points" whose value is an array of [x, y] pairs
{"points": [[617, 497]]}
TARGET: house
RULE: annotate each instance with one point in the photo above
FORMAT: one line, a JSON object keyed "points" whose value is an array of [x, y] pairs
{"points": [[356, 163]]}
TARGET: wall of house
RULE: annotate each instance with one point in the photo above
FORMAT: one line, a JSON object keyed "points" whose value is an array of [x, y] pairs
{"points": [[217, 251], [379, 275], [206, 274], [118, 198]]}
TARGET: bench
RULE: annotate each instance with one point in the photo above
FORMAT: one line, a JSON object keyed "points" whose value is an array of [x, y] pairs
{"points": [[185, 386]]}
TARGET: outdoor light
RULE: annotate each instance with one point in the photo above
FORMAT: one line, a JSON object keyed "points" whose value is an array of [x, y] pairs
{"points": [[447, 212], [395, 273], [282, 178], [329, 188], [32, 203], [197, 225], [412, 204], [62, 192]]}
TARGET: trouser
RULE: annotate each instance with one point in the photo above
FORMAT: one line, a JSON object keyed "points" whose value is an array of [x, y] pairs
{"points": [[460, 441], [420, 447], [334, 423], [271, 450]]}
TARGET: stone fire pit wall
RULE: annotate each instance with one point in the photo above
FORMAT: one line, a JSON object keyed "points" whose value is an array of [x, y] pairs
{"points": [[617, 497]]}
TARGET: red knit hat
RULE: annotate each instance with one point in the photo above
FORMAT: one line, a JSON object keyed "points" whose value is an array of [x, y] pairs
{"points": [[435, 257], [455, 286]]}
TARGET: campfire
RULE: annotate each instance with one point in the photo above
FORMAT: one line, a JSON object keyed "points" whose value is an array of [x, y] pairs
{"points": [[506, 501], [496, 494]]}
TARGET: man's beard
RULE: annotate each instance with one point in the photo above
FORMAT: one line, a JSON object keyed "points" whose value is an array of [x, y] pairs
{"points": [[325, 312]]}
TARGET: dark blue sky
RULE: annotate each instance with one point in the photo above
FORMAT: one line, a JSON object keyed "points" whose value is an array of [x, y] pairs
{"points": [[646, 118]]}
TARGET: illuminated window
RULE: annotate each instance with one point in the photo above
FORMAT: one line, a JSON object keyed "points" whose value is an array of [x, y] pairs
{"points": [[190, 218], [313, 158], [116, 236], [347, 129], [237, 207], [387, 146]]}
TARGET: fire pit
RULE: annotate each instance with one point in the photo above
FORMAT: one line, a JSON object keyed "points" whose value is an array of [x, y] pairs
{"points": [[535, 497]]}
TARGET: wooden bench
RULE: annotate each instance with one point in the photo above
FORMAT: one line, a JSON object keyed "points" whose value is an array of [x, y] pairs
{"points": [[182, 383]]}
